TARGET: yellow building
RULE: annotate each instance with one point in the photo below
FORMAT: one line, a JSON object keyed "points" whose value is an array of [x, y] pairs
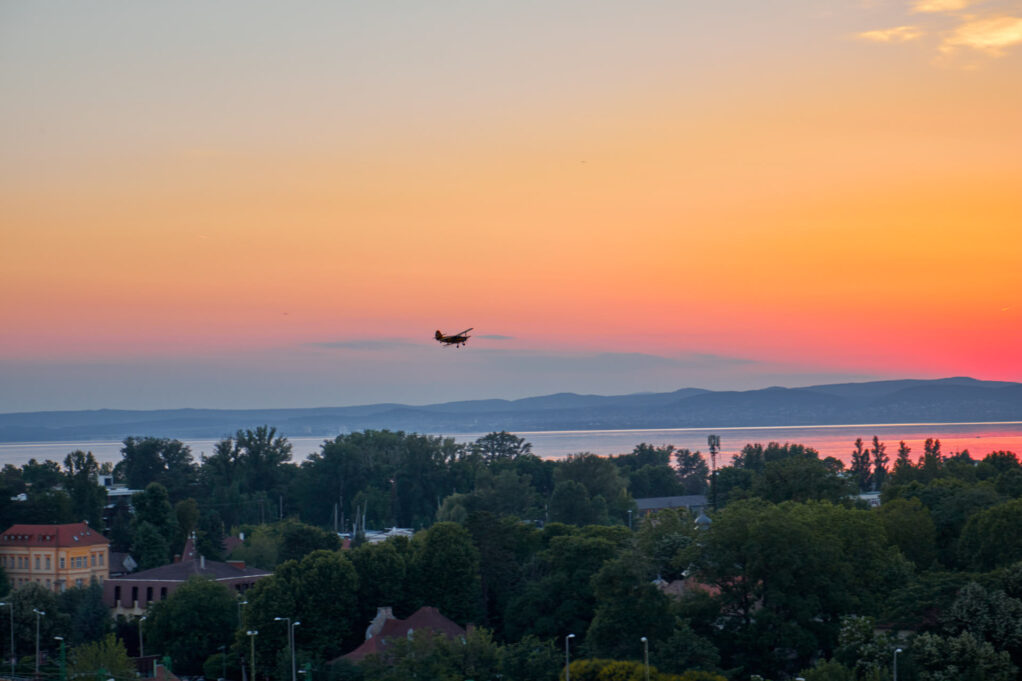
{"points": [[57, 557]]}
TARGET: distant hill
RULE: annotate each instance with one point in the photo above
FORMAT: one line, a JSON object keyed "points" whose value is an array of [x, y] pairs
{"points": [[904, 401]]}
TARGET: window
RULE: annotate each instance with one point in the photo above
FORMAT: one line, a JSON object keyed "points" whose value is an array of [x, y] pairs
{"points": [[47, 562], [101, 560], [134, 594], [117, 594], [148, 594], [37, 562], [163, 593], [94, 560], [61, 562]]}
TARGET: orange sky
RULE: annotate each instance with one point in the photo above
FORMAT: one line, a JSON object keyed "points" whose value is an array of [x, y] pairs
{"points": [[743, 197]]}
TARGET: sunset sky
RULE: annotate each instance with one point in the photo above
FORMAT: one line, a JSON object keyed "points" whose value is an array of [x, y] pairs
{"points": [[276, 204]]}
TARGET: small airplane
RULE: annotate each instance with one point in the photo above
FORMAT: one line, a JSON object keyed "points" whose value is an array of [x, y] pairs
{"points": [[455, 339]]}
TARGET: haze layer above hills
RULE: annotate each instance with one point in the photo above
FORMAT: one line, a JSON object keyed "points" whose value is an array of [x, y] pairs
{"points": [[903, 401]]}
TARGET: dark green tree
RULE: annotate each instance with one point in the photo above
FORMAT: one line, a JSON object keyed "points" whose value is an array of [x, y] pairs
{"points": [[693, 471], [860, 468], [191, 623], [299, 540], [502, 446], [879, 460], [81, 481], [445, 572], [629, 606]]}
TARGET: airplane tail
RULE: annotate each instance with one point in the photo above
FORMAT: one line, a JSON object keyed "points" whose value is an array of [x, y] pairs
{"points": [[439, 335]]}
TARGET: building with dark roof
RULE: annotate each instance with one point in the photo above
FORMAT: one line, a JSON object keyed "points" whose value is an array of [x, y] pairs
{"points": [[385, 627], [132, 594], [55, 556], [693, 502]]}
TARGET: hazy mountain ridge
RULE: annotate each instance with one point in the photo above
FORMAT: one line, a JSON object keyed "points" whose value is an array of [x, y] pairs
{"points": [[903, 401]]}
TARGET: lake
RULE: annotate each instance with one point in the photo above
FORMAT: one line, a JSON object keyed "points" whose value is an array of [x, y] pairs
{"points": [[836, 440]]}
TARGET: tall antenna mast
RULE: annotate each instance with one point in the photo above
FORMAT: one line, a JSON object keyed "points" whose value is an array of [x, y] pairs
{"points": [[714, 443]]}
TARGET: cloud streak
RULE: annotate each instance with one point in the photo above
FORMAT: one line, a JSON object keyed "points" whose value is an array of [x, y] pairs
{"points": [[933, 6], [898, 34], [991, 35], [373, 344]]}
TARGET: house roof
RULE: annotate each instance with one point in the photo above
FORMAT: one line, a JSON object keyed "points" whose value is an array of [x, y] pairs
{"points": [[655, 503], [426, 617], [71, 534], [180, 572]]}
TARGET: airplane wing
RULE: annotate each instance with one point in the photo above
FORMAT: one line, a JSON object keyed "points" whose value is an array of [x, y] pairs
{"points": [[463, 332]]}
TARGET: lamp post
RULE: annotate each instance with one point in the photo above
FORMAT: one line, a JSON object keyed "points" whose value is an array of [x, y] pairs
{"points": [[290, 642], [896, 651], [141, 642], [645, 655], [223, 660], [38, 614], [241, 602], [252, 633], [63, 662], [13, 656], [567, 657]]}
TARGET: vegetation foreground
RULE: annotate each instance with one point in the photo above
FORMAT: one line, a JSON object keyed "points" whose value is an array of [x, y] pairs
{"points": [[795, 575]]}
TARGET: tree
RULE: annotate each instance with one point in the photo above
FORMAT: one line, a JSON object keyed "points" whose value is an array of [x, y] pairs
{"points": [[89, 616], [152, 506], [81, 481], [960, 658], [571, 504], [909, 526], [382, 571], [504, 544], [860, 468], [990, 615], [798, 478], [932, 462], [559, 597], [599, 476], [299, 540], [879, 460], [629, 606], [693, 471], [107, 654], [992, 537], [661, 537], [151, 459], [445, 569], [904, 472], [787, 573], [189, 626], [502, 446]]}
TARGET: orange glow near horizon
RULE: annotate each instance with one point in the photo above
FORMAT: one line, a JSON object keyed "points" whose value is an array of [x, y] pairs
{"points": [[856, 206]]}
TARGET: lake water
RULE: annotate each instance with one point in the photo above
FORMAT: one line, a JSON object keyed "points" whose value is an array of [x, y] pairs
{"points": [[979, 438]]}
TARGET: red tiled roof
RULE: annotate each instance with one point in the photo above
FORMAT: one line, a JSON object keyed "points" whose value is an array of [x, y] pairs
{"points": [[425, 617], [71, 534]]}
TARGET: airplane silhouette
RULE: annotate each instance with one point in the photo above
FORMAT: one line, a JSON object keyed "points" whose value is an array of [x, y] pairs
{"points": [[455, 339]]}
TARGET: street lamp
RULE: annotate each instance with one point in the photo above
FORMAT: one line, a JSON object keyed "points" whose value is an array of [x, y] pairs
{"points": [[141, 643], [13, 656], [252, 633], [63, 664], [38, 614], [896, 651], [645, 655], [241, 602], [567, 657], [290, 641]]}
